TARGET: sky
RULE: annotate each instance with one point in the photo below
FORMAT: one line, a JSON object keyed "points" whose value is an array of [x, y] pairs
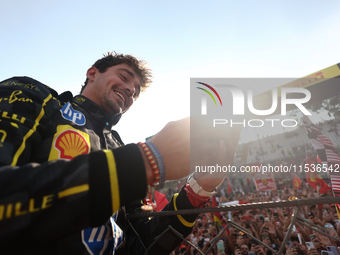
{"points": [[55, 42]]}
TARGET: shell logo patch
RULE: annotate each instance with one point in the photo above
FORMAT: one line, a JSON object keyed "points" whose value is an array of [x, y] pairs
{"points": [[69, 143]]}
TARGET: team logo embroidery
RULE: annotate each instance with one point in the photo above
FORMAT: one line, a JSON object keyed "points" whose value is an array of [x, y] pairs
{"points": [[71, 144], [104, 239], [70, 114]]}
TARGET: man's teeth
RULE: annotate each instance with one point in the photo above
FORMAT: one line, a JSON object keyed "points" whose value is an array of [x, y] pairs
{"points": [[120, 95]]}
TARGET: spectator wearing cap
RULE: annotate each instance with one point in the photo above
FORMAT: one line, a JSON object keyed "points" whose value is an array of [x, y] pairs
{"points": [[183, 249]]}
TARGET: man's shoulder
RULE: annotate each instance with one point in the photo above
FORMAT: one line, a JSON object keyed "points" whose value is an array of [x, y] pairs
{"points": [[34, 88], [27, 84]]}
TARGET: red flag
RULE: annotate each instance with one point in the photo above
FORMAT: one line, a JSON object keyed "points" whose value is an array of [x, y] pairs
{"points": [[313, 178], [310, 176], [297, 182], [217, 215], [324, 186], [229, 187], [161, 201], [326, 152]]}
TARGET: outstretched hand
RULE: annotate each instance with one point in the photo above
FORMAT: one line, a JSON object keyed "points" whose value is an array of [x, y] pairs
{"points": [[203, 145]]}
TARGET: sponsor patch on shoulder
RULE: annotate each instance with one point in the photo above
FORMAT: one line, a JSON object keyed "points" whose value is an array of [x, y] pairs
{"points": [[68, 113], [69, 143]]}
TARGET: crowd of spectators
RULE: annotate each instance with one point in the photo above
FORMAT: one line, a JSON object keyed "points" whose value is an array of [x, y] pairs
{"points": [[268, 225]]}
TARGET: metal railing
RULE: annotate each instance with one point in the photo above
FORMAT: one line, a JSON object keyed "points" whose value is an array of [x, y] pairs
{"points": [[295, 218]]}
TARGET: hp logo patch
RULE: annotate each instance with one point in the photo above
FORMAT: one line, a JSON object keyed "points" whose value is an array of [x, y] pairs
{"points": [[70, 114]]}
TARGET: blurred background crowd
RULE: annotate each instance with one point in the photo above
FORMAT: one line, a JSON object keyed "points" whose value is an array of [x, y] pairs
{"points": [[268, 225]]}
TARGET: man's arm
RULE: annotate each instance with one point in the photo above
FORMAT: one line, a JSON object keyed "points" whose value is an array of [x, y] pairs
{"points": [[145, 230], [142, 233], [44, 202]]}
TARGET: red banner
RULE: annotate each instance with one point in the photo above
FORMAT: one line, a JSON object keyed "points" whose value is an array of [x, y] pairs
{"points": [[264, 181]]}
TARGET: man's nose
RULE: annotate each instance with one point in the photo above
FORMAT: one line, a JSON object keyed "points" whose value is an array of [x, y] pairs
{"points": [[130, 89]]}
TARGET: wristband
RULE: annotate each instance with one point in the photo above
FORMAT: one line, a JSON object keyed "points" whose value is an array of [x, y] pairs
{"points": [[160, 162], [153, 164]]}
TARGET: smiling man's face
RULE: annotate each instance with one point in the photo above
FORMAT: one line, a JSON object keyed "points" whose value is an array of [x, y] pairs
{"points": [[115, 89]]}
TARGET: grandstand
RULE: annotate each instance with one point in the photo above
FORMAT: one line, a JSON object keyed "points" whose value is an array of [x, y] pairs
{"points": [[282, 147], [323, 85]]}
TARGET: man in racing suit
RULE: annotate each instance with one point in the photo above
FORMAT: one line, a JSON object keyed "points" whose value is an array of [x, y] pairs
{"points": [[64, 172]]}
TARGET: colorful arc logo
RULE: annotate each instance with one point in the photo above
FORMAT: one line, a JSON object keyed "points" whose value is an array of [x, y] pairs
{"points": [[218, 96]]}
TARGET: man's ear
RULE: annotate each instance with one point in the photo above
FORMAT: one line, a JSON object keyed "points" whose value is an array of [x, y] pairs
{"points": [[91, 73]]}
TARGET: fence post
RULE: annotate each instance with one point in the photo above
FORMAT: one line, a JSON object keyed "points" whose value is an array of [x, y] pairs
{"points": [[289, 231]]}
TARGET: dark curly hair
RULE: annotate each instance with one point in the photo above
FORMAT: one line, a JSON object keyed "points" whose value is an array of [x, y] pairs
{"points": [[113, 58]]}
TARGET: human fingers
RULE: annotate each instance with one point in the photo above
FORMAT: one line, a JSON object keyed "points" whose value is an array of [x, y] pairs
{"points": [[173, 142], [181, 147], [203, 132]]}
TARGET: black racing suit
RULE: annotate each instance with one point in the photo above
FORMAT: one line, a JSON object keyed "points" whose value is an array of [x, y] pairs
{"points": [[64, 173]]}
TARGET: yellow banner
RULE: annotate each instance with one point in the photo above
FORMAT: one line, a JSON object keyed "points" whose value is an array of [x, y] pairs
{"points": [[305, 82]]}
